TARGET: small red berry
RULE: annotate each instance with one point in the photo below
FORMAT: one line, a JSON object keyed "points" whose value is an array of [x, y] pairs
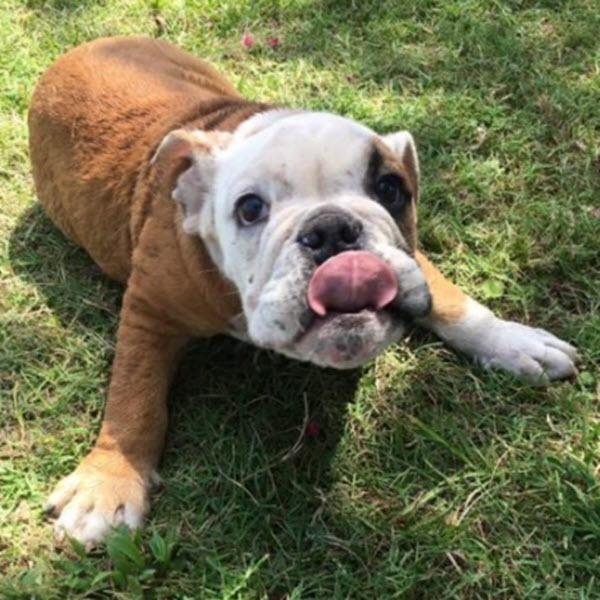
{"points": [[313, 427]]}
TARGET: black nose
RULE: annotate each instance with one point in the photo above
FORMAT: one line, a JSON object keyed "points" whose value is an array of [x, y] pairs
{"points": [[327, 234]]}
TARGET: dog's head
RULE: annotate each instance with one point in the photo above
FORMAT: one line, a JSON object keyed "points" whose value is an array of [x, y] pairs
{"points": [[313, 218]]}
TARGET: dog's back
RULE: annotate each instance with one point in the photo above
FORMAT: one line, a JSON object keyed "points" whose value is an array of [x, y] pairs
{"points": [[96, 116]]}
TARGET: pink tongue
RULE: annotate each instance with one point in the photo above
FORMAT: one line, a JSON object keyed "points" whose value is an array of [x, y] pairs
{"points": [[351, 281]]}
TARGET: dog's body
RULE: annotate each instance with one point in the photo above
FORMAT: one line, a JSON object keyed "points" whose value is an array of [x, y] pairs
{"points": [[294, 230]]}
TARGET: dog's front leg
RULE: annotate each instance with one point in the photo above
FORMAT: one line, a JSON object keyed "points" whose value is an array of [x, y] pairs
{"points": [[495, 343], [112, 483]]}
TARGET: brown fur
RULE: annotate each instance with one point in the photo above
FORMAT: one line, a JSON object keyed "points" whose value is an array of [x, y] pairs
{"points": [[406, 168], [96, 118], [448, 300]]}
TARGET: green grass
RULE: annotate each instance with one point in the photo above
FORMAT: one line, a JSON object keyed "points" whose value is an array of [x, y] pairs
{"points": [[429, 478]]}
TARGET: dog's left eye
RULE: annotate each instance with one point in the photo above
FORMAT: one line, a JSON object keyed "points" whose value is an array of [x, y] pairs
{"points": [[391, 192], [251, 209]]}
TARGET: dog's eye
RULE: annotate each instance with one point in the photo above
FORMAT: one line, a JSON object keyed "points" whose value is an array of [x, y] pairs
{"points": [[251, 209], [391, 192]]}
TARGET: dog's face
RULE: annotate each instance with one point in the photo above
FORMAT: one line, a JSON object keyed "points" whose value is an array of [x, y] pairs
{"points": [[312, 217]]}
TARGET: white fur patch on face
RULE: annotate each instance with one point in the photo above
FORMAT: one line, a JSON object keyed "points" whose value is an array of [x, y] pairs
{"points": [[302, 164]]}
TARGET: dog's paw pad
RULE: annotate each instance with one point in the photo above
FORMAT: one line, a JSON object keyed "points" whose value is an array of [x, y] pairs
{"points": [[528, 352], [90, 501]]}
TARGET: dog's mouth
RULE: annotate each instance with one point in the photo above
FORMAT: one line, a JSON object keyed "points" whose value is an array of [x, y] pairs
{"points": [[342, 313], [348, 340], [355, 311], [351, 282]]}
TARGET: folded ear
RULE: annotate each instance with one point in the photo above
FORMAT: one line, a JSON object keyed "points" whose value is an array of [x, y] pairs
{"points": [[184, 143], [403, 146], [187, 159]]}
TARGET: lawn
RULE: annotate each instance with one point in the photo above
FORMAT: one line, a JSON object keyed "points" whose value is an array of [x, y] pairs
{"points": [[419, 477]]}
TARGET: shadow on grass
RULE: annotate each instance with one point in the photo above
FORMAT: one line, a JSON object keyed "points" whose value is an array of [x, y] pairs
{"points": [[74, 288]]}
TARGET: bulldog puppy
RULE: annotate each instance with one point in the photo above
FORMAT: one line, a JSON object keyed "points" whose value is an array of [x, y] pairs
{"points": [[293, 230]]}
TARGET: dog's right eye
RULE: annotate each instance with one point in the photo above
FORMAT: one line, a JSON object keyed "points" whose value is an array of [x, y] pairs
{"points": [[251, 209], [391, 192]]}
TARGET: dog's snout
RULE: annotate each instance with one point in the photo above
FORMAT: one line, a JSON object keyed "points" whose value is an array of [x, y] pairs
{"points": [[328, 234]]}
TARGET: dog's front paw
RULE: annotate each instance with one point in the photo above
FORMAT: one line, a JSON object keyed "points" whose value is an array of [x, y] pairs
{"points": [[528, 352], [525, 351], [103, 492]]}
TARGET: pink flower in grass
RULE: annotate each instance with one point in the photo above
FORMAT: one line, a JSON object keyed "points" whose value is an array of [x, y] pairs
{"points": [[248, 41]]}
